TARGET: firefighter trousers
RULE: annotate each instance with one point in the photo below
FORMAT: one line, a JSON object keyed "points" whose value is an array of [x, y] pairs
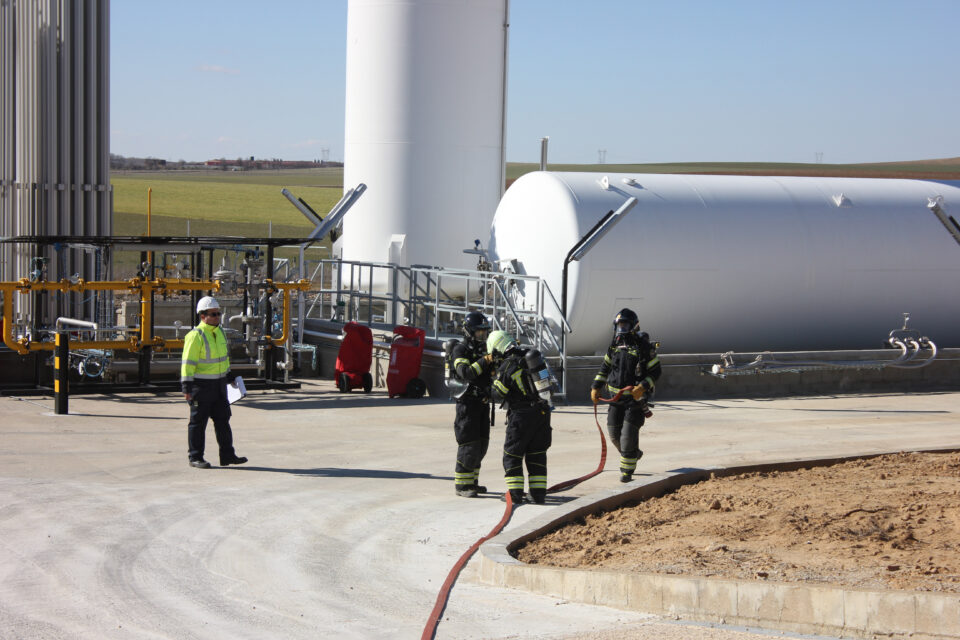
{"points": [[624, 419], [527, 439], [472, 430]]}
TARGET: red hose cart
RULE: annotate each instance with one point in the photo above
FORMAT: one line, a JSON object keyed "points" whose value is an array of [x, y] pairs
{"points": [[406, 352], [352, 370]]}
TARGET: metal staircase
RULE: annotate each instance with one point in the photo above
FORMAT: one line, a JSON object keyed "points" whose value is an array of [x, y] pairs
{"points": [[435, 299]]}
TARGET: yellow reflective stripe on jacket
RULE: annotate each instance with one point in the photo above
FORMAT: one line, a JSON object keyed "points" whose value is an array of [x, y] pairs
{"points": [[460, 361], [501, 387], [477, 367], [518, 379], [655, 360]]}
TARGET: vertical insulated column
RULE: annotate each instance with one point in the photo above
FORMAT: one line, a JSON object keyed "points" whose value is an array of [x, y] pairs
{"points": [[7, 48], [54, 139]]}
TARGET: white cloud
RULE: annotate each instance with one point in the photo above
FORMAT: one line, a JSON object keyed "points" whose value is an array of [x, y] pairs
{"points": [[216, 68]]}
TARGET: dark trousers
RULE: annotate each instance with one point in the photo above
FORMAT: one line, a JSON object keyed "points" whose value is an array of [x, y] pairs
{"points": [[472, 430], [527, 439], [209, 401], [624, 419]]}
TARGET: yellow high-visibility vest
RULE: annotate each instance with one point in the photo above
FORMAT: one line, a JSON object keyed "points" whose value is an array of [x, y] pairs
{"points": [[205, 354]]}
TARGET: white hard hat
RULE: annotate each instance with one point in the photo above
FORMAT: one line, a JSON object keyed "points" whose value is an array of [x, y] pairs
{"points": [[206, 303]]}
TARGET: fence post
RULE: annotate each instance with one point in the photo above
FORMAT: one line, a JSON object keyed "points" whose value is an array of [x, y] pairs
{"points": [[61, 367]]}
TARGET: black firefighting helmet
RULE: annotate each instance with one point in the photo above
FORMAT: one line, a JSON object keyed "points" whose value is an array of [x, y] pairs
{"points": [[475, 321], [626, 322]]}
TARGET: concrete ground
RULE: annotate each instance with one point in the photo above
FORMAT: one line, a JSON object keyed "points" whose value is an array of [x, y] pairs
{"points": [[344, 522]]}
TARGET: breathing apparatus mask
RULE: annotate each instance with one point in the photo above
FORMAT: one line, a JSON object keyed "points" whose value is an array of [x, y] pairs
{"points": [[625, 324], [476, 328]]}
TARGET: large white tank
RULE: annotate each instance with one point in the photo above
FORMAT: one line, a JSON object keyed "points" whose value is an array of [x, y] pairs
{"points": [[424, 127], [714, 263]]}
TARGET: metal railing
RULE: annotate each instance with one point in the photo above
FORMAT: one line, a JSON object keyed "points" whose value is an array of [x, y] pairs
{"points": [[382, 295]]}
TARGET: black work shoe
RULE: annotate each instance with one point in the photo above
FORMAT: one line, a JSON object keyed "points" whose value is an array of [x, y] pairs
{"points": [[234, 460], [467, 491], [200, 464], [539, 496], [626, 477], [480, 488]]}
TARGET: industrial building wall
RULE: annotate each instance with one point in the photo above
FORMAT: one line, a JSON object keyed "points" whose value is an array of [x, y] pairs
{"points": [[54, 142]]}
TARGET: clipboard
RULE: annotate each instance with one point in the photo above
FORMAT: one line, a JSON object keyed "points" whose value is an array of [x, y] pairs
{"points": [[235, 393]]}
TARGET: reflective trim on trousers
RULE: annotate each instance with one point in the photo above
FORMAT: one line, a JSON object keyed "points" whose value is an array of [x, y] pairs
{"points": [[514, 482], [538, 482]]}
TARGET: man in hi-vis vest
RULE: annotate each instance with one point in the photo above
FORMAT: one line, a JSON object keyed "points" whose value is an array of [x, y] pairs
{"points": [[204, 375]]}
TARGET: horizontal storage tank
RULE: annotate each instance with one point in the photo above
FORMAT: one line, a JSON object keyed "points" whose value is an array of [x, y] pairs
{"points": [[743, 263]]}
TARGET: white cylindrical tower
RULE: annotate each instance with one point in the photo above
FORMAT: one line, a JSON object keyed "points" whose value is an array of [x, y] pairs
{"points": [[424, 127], [748, 263]]}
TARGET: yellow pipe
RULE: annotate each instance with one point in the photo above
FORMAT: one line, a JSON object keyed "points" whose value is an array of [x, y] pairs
{"points": [[146, 304], [286, 287], [149, 211], [24, 346]]}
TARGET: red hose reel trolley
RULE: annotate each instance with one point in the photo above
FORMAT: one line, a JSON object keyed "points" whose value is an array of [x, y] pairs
{"points": [[406, 352], [352, 370]]}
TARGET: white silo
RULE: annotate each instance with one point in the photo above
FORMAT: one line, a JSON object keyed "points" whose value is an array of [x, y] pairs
{"points": [[713, 263], [424, 127]]}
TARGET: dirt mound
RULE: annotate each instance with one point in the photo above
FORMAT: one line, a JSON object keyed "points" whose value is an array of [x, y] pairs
{"points": [[891, 522]]}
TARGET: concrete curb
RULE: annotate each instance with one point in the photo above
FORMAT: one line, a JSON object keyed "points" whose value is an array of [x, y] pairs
{"points": [[779, 606]]}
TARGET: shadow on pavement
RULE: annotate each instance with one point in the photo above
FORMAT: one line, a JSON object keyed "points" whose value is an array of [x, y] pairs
{"points": [[334, 472]]}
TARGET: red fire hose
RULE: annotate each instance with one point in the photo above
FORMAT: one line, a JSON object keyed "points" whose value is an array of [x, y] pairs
{"points": [[430, 630]]}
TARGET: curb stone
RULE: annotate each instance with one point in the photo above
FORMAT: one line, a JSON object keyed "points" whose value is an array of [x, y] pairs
{"points": [[794, 607]]}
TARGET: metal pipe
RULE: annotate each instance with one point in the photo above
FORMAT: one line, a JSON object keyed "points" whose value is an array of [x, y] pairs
{"points": [[287, 288], [24, 346], [166, 365], [76, 323]]}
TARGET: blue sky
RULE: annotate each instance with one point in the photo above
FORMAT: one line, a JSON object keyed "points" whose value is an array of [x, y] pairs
{"points": [[647, 81]]}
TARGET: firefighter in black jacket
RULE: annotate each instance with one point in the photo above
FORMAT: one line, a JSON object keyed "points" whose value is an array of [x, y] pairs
{"points": [[631, 360], [471, 367], [528, 433]]}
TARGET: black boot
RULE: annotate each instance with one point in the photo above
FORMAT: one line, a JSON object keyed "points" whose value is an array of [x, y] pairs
{"points": [[539, 496], [200, 464], [233, 459], [516, 496], [466, 490]]}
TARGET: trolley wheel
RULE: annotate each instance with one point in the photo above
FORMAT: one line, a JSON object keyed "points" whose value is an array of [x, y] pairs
{"points": [[416, 388], [367, 382], [343, 383]]}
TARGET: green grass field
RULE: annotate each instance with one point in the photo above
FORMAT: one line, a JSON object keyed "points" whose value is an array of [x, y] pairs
{"points": [[246, 203], [219, 203]]}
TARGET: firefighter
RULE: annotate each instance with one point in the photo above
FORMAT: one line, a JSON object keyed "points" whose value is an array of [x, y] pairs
{"points": [[528, 434], [471, 367], [204, 375], [631, 360]]}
